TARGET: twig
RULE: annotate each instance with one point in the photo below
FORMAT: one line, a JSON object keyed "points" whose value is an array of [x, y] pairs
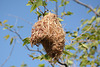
{"points": [[40, 10], [9, 55], [57, 8], [67, 42], [63, 11], [22, 40], [62, 63], [77, 1], [83, 33], [21, 19]]}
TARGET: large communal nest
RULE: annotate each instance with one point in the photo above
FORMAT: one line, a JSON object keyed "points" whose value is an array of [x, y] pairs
{"points": [[49, 32]]}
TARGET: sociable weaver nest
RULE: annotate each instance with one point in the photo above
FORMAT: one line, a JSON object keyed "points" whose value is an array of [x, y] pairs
{"points": [[49, 32]]}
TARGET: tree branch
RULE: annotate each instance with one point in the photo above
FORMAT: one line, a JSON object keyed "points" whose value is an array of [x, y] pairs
{"points": [[22, 40], [57, 8], [77, 1], [21, 19], [9, 55], [62, 63], [83, 33]]}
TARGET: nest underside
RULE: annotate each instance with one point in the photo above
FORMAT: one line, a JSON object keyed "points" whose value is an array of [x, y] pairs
{"points": [[49, 32]]}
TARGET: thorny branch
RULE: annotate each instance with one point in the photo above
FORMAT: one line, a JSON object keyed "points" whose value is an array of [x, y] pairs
{"points": [[77, 1], [9, 54]]}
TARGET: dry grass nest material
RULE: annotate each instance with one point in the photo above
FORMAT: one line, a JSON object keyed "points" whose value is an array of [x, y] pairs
{"points": [[49, 32]]}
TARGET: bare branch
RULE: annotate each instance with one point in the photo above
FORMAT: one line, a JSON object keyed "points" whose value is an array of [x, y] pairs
{"points": [[22, 40], [77, 1], [9, 54], [62, 63], [21, 19], [40, 10], [57, 8]]}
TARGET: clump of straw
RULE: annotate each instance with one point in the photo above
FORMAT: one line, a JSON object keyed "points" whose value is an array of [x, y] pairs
{"points": [[49, 32]]}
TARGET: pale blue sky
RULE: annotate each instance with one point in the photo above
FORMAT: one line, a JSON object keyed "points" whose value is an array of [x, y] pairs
{"points": [[19, 8]]}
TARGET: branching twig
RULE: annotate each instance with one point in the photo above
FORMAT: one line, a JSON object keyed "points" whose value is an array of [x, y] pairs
{"points": [[21, 19], [22, 40], [83, 33], [77, 1], [40, 10], [9, 55]]}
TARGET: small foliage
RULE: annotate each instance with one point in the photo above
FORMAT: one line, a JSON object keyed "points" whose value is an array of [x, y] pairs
{"points": [[5, 21], [26, 41], [11, 40], [6, 37], [41, 65]]}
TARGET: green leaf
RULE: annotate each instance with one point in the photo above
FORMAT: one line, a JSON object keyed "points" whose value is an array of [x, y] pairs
{"points": [[84, 22], [66, 2], [69, 47], [24, 65], [92, 20], [29, 3], [98, 19], [62, 13], [33, 7], [0, 23], [5, 21], [62, 1], [6, 37], [68, 53], [54, 0], [91, 56], [91, 10], [11, 40], [41, 65], [38, 13], [5, 28], [85, 46], [60, 19], [31, 56], [70, 61], [20, 26], [46, 57], [98, 10], [44, 3], [11, 26], [85, 28], [69, 13], [75, 33], [61, 5], [26, 41], [7, 25]]}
